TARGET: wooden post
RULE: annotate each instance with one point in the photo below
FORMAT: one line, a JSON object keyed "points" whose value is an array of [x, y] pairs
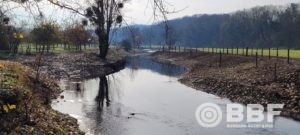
{"points": [[227, 51], [256, 59], [288, 57], [237, 51], [275, 72], [262, 52], [246, 51], [220, 59], [277, 52], [269, 53], [232, 50]]}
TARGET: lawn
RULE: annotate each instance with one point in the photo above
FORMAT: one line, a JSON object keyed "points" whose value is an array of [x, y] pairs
{"points": [[53, 49], [273, 52], [56, 49]]}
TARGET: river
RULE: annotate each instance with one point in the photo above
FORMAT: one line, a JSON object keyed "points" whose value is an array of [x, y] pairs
{"points": [[145, 98]]}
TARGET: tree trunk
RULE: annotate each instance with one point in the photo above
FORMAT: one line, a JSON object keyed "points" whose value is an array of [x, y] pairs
{"points": [[103, 47]]}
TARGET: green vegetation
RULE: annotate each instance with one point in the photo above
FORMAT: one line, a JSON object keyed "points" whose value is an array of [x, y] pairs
{"points": [[273, 52], [58, 48], [294, 53]]}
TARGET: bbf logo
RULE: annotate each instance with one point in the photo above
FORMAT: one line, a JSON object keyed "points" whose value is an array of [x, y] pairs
{"points": [[210, 114]]}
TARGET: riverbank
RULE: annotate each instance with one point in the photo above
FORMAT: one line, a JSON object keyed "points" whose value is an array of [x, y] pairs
{"points": [[25, 100], [76, 65], [239, 80], [24, 103]]}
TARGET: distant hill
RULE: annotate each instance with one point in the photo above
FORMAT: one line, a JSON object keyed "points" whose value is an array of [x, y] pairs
{"points": [[261, 27]]}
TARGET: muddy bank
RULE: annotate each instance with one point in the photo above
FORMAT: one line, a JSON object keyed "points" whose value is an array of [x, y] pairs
{"points": [[77, 66], [240, 80], [24, 100], [24, 103]]}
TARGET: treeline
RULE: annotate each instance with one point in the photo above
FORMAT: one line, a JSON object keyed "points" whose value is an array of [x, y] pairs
{"points": [[45, 37], [259, 27]]}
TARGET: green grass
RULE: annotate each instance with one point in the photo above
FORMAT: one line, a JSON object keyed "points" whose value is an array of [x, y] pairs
{"points": [[57, 49], [273, 52], [265, 52], [4, 54]]}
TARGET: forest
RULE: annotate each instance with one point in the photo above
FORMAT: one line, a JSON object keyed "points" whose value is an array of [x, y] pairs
{"points": [[258, 27]]}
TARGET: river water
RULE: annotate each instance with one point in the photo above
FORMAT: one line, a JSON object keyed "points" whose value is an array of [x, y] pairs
{"points": [[145, 98]]}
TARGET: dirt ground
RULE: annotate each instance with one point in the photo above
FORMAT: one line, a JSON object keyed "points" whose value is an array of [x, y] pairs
{"points": [[239, 80], [76, 66]]}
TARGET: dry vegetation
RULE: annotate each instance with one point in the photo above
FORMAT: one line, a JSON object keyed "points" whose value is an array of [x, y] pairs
{"points": [[240, 80], [23, 109]]}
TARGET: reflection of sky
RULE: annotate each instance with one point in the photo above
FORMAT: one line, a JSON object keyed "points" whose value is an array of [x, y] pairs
{"points": [[140, 62], [140, 11]]}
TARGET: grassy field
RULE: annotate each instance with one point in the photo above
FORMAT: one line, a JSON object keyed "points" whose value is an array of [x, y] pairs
{"points": [[260, 52], [273, 52], [53, 49], [56, 49]]}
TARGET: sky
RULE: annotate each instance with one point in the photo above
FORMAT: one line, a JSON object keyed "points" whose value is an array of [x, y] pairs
{"points": [[139, 12]]}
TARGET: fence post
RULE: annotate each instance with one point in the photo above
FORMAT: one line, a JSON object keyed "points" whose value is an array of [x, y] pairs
{"points": [[277, 52], [232, 50], [262, 52], [256, 61], [288, 57], [220, 59], [269, 53], [237, 50], [247, 51], [227, 51], [275, 72]]}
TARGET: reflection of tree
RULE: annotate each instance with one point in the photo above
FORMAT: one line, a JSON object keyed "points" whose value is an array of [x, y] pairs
{"points": [[103, 93], [133, 63]]}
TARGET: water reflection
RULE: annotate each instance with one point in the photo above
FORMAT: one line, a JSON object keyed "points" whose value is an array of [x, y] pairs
{"points": [[103, 93], [141, 100], [142, 62]]}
